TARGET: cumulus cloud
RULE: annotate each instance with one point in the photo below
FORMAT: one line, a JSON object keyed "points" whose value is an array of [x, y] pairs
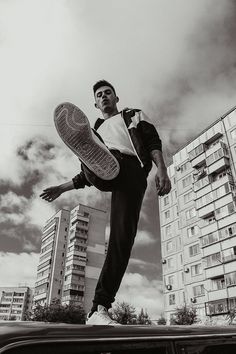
{"points": [[142, 293], [175, 59], [18, 268]]}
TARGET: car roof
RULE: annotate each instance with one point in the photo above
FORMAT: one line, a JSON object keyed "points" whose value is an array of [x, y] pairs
{"points": [[13, 331]]}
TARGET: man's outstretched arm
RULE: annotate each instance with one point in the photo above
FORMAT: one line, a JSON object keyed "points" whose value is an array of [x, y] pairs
{"points": [[163, 183], [52, 193]]}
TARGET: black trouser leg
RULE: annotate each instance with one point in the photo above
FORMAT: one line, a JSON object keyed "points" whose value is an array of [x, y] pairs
{"points": [[126, 203]]}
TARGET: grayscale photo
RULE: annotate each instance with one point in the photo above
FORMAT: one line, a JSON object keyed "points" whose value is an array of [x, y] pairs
{"points": [[118, 176]]}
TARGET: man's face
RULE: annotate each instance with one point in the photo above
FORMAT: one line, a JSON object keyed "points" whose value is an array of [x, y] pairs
{"points": [[105, 99]]}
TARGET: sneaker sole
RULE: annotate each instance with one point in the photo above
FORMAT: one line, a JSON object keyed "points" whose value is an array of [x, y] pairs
{"points": [[74, 129]]}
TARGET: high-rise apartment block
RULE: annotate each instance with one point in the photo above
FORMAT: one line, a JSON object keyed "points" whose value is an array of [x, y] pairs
{"points": [[50, 271], [198, 224], [72, 255], [85, 255], [15, 302]]}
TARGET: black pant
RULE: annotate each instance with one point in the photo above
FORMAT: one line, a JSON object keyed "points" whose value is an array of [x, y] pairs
{"points": [[128, 190]]}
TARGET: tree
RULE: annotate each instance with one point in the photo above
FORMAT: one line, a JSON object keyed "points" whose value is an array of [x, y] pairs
{"points": [[231, 316], [161, 320], [184, 316], [124, 313], [143, 318], [55, 312]]}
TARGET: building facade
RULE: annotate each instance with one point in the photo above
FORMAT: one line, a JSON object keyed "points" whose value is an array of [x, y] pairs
{"points": [[50, 271], [85, 255], [198, 224], [71, 257], [15, 302]]}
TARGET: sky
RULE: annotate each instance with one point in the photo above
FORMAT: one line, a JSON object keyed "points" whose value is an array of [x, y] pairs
{"points": [[174, 59]]}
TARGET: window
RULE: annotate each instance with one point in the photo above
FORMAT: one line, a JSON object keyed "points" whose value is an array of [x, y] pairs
{"points": [[213, 259], [170, 263], [233, 134], [168, 231], [172, 299], [228, 231], [196, 269], [187, 181], [210, 238], [188, 197], [185, 167], [167, 214], [194, 250], [169, 246], [198, 290], [229, 254], [204, 200], [217, 307], [201, 183], [230, 279], [224, 211], [193, 231], [166, 200], [196, 151], [221, 191], [218, 283], [191, 213]]}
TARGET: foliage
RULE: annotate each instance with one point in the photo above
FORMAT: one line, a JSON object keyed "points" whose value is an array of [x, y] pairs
{"points": [[231, 316], [184, 316], [143, 318], [124, 313], [161, 320], [55, 312]]}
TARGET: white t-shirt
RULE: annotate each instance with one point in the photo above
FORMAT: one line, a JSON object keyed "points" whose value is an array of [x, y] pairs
{"points": [[115, 135]]}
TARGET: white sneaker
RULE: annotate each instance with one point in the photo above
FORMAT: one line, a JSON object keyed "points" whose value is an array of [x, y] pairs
{"points": [[74, 129], [101, 317]]}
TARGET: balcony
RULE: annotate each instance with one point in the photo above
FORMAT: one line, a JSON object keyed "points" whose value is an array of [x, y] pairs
{"points": [[226, 177], [219, 165], [199, 160], [213, 134], [196, 152], [206, 211], [217, 307], [217, 294], [201, 183]]}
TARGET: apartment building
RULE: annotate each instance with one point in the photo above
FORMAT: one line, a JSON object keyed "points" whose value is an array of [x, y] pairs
{"points": [[71, 257], [15, 302], [50, 271], [85, 255], [198, 224]]}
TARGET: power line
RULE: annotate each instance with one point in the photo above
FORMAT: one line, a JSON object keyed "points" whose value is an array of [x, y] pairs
{"points": [[51, 126], [26, 124]]}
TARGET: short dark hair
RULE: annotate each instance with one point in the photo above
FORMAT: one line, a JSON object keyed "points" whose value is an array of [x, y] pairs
{"points": [[101, 83]]}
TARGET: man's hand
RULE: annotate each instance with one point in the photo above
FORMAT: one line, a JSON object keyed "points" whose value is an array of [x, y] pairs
{"points": [[51, 193], [163, 183]]}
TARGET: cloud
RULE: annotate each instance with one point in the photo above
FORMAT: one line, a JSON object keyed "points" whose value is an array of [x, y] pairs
{"points": [[11, 207], [175, 59], [140, 292], [18, 268]]}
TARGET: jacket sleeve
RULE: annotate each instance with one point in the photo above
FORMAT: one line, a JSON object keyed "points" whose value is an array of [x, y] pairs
{"points": [[80, 180], [149, 134]]}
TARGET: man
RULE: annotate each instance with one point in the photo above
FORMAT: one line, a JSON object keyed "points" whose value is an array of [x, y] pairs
{"points": [[116, 156]]}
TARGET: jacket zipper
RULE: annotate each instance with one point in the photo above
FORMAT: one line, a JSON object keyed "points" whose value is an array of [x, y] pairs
{"points": [[132, 144]]}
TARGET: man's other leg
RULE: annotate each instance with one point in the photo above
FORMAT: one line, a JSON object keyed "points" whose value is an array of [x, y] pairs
{"points": [[126, 203]]}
